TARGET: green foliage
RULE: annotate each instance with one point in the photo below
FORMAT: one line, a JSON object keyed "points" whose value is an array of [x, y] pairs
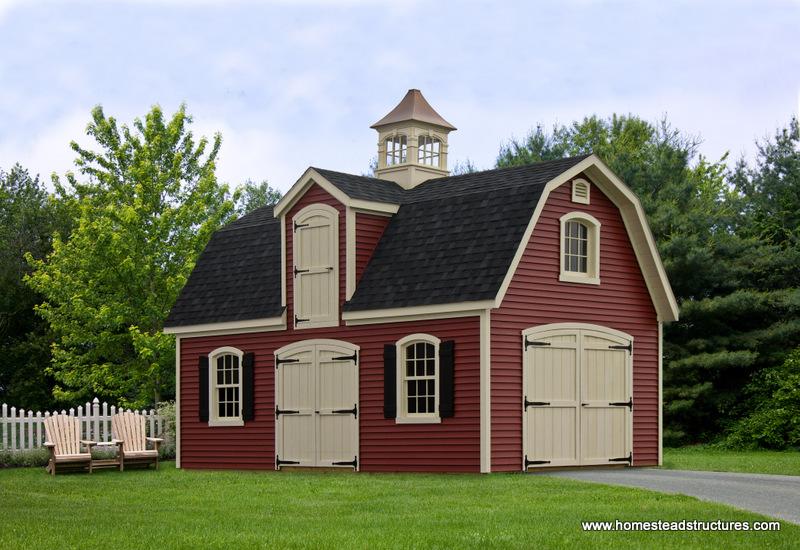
{"points": [[775, 423], [715, 458], [24, 458], [166, 410], [28, 218], [145, 207], [253, 195], [729, 243]]}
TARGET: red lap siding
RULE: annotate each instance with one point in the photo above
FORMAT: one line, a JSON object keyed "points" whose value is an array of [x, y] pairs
{"points": [[369, 229], [536, 297], [453, 445]]}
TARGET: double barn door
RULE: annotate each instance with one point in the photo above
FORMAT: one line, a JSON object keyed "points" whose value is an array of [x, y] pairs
{"points": [[316, 398], [577, 403]]}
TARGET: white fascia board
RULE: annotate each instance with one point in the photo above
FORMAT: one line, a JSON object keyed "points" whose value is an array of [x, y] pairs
{"points": [[415, 313], [635, 223], [310, 177], [230, 327]]}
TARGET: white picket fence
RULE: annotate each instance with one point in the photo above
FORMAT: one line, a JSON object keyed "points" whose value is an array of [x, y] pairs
{"points": [[21, 429]]}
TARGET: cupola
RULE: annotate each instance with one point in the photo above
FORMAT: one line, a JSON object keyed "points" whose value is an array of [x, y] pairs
{"points": [[412, 142]]}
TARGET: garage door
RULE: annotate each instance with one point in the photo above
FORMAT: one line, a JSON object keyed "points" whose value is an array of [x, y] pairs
{"points": [[316, 404], [577, 399]]}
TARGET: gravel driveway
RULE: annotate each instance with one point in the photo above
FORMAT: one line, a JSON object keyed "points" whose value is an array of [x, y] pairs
{"points": [[771, 495]]}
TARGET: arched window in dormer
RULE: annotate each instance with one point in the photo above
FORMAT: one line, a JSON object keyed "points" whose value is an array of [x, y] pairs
{"points": [[429, 149], [580, 248], [396, 150]]}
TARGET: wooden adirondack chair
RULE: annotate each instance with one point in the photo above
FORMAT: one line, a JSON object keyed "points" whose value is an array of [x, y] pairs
{"points": [[64, 442], [129, 436]]}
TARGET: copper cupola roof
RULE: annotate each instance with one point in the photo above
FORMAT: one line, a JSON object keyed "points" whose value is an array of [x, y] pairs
{"points": [[414, 106]]}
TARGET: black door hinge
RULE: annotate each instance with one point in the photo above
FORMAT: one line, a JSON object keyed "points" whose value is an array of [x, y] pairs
{"points": [[534, 343], [296, 271], [353, 411], [628, 459], [279, 361], [629, 347], [279, 462], [353, 463], [353, 358], [535, 403], [529, 463], [279, 412], [628, 403], [299, 320], [299, 225]]}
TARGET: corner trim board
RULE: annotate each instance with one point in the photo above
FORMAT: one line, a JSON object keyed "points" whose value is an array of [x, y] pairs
{"points": [[486, 390], [177, 401]]}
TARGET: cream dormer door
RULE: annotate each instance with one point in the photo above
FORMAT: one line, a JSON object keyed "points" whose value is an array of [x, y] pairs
{"points": [[316, 266]]}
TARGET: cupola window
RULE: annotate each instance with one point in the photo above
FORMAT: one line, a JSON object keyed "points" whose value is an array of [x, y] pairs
{"points": [[429, 148], [396, 150]]}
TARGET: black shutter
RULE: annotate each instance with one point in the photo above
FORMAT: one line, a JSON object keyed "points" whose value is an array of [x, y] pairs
{"points": [[446, 379], [389, 381], [248, 387], [203, 385]]}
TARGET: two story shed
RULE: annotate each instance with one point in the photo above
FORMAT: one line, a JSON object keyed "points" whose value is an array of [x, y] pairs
{"points": [[495, 321]]}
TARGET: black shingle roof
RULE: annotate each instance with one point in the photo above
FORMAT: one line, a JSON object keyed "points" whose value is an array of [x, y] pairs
{"points": [[452, 240], [238, 275]]}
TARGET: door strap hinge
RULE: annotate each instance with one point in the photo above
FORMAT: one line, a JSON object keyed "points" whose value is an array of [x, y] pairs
{"points": [[628, 459], [353, 358], [296, 271], [353, 411], [279, 361], [299, 225], [534, 343], [628, 403], [353, 463], [529, 463], [279, 462], [629, 347], [279, 412], [535, 403], [299, 320]]}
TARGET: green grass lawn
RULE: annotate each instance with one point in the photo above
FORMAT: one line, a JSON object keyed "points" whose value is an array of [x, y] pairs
{"points": [[193, 509], [704, 458]]}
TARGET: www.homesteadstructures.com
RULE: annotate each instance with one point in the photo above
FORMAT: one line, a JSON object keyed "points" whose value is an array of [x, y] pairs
{"points": [[415, 321]]}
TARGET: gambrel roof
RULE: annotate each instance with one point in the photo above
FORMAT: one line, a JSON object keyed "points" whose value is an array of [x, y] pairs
{"points": [[451, 240]]}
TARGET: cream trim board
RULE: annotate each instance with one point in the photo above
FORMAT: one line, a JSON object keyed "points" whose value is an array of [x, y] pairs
{"points": [[283, 261], [391, 315], [266, 324], [301, 344], [592, 276], [310, 177], [660, 393], [558, 327], [350, 253], [177, 401], [403, 416], [635, 223], [486, 391], [213, 419]]}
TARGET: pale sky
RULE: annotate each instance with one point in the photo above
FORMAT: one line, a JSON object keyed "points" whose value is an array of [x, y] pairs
{"points": [[296, 83]]}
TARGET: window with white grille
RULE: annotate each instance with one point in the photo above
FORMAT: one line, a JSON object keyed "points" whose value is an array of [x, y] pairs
{"points": [[428, 150], [418, 373], [226, 386], [396, 150], [580, 248]]}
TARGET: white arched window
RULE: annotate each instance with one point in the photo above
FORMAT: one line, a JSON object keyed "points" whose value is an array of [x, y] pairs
{"points": [[580, 248], [316, 266], [396, 150], [225, 386], [428, 150], [418, 379]]}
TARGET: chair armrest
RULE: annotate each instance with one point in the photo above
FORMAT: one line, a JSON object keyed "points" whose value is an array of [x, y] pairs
{"points": [[49, 445], [88, 443], [117, 441], [155, 439]]}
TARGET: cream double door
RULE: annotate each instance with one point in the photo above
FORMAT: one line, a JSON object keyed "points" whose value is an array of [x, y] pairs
{"points": [[577, 396], [316, 404]]}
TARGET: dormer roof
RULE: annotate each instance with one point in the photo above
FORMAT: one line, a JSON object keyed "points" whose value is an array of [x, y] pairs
{"points": [[414, 106]]}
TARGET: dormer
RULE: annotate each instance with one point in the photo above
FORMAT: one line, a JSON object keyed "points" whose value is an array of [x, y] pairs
{"points": [[412, 142]]}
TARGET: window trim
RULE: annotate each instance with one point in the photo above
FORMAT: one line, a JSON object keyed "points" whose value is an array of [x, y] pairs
{"points": [[432, 154], [592, 276], [403, 416], [396, 152], [213, 419], [333, 320]]}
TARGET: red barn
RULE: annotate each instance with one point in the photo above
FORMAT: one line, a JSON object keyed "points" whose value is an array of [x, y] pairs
{"points": [[492, 321]]}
